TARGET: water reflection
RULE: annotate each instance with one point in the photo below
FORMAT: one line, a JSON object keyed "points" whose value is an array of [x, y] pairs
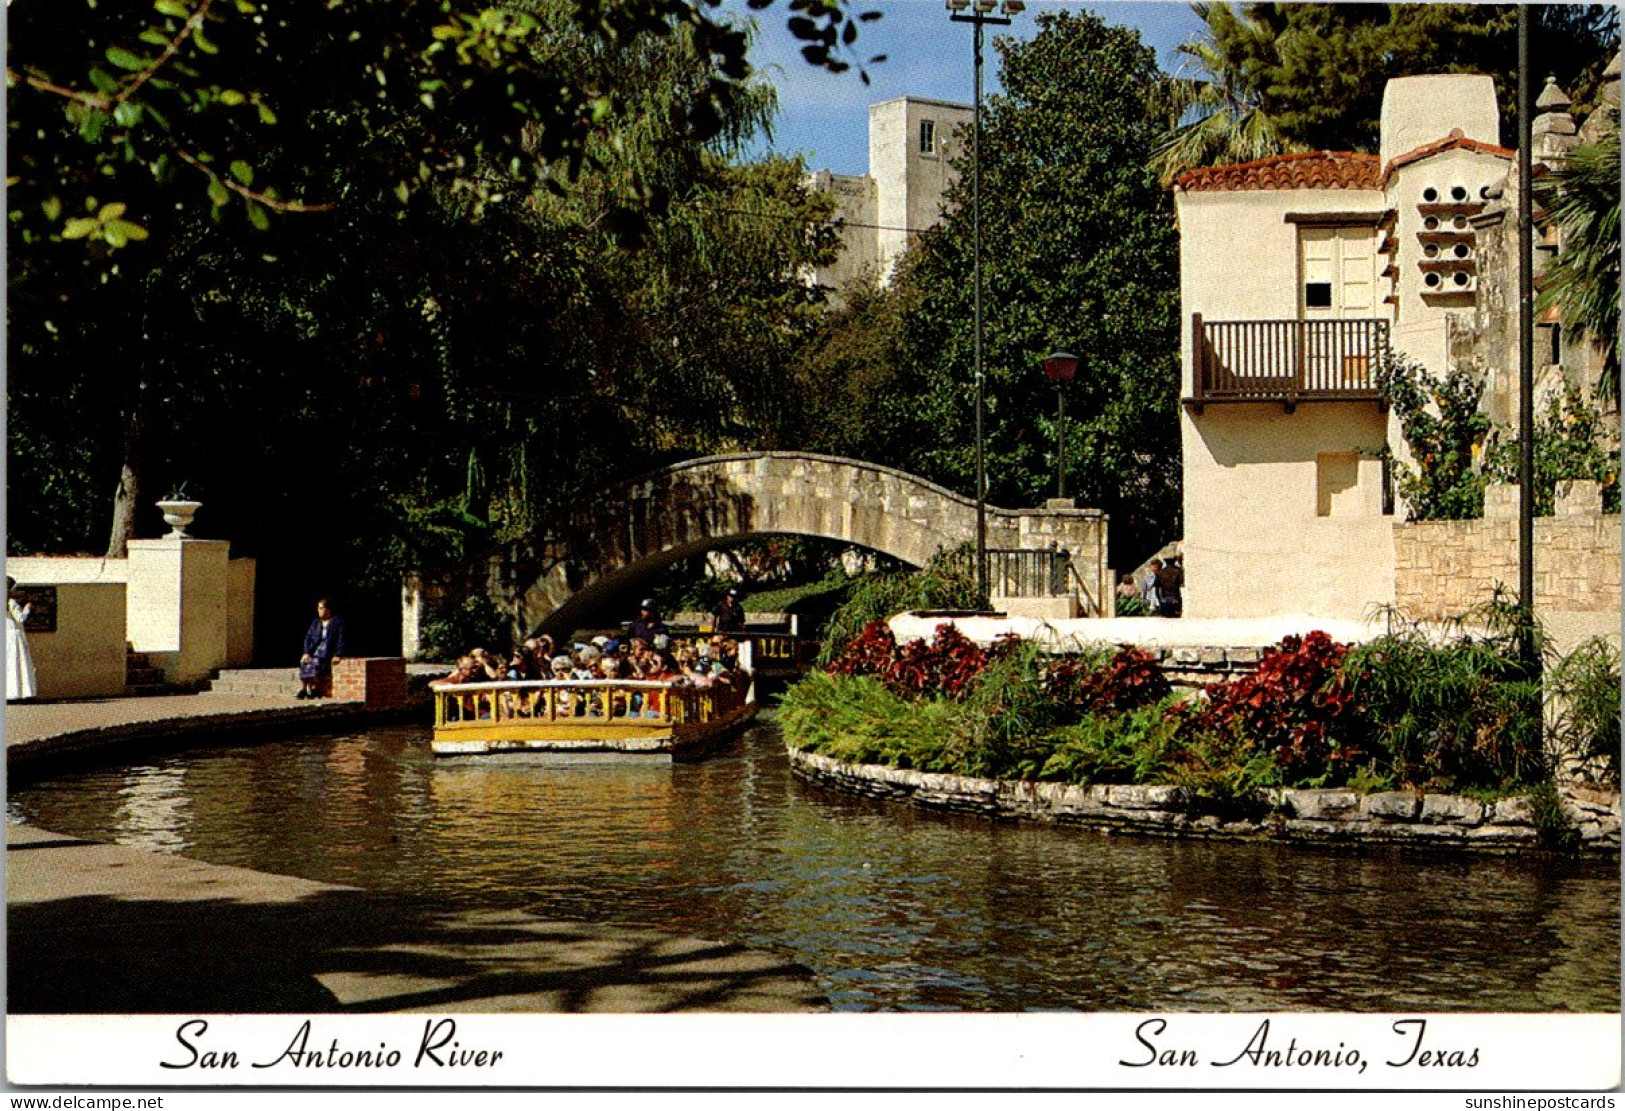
{"points": [[891, 908], [152, 810]]}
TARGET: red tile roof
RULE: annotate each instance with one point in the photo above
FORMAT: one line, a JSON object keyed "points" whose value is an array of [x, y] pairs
{"points": [[1321, 169], [1456, 140]]}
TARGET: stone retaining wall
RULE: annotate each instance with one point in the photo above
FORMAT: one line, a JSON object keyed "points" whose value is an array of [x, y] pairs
{"points": [[1445, 568], [1315, 816]]}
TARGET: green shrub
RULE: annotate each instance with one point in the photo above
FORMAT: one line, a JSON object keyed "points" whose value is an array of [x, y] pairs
{"points": [[453, 629], [1448, 716], [858, 720], [947, 583], [1584, 690], [1131, 747]]}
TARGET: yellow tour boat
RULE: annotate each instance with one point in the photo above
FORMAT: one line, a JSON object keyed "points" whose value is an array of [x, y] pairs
{"points": [[673, 720]]}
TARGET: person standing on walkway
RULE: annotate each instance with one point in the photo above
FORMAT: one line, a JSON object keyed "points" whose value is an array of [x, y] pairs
{"points": [[1148, 586], [1171, 587], [324, 645], [19, 660]]}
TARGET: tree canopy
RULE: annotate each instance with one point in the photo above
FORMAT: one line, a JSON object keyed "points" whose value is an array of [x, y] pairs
{"points": [[1268, 78], [393, 377]]}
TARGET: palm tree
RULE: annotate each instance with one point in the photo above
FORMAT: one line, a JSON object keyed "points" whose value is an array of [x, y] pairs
{"points": [[1583, 280], [1216, 111]]}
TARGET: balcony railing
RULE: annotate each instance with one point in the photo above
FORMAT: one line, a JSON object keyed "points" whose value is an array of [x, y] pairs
{"points": [[1286, 361]]}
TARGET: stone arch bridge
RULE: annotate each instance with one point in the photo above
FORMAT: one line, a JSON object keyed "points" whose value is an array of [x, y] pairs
{"points": [[635, 527]]}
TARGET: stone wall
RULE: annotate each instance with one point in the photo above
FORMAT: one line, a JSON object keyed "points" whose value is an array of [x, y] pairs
{"points": [[1443, 569], [1314, 816]]}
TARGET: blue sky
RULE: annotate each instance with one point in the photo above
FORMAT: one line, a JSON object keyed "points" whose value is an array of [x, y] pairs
{"points": [[826, 117]]}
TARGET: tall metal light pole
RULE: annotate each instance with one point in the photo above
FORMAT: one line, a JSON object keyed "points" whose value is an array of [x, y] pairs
{"points": [[980, 14], [1060, 366], [1528, 650]]}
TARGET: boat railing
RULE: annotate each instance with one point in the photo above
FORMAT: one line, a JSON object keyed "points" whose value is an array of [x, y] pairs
{"points": [[584, 702]]}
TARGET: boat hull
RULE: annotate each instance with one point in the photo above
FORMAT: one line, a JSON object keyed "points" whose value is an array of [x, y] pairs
{"points": [[583, 738]]}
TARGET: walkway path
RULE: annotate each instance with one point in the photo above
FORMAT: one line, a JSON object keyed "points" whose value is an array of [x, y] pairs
{"points": [[104, 929], [99, 928], [51, 728]]}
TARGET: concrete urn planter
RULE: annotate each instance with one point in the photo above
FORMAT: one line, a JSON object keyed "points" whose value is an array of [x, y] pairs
{"points": [[178, 514]]}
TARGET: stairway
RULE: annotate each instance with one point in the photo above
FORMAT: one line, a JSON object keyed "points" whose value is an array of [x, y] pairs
{"points": [[257, 681], [140, 677]]}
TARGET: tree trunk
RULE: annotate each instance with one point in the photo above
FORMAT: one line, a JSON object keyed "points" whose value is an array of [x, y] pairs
{"points": [[128, 499]]}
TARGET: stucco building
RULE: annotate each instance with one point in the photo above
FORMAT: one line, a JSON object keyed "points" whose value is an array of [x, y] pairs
{"points": [[1298, 274], [912, 144]]}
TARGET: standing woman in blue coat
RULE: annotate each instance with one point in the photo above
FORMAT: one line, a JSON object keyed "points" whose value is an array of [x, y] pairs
{"points": [[324, 645]]}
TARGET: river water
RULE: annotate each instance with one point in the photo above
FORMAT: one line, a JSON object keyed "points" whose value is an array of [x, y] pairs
{"points": [[892, 909]]}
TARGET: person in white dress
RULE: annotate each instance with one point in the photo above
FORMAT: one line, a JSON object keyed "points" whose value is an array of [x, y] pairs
{"points": [[19, 662]]}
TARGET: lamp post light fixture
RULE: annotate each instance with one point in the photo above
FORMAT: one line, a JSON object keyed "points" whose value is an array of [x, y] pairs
{"points": [[980, 13], [1060, 366]]}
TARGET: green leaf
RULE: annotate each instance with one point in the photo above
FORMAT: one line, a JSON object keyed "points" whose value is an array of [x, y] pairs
{"points": [[218, 193], [90, 127], [257, 216], [172, 8], [52, 208], [266, 115], [80, 226], [130, 231], [123, 59], [232, 97], [104, 81], [203, 43], [127, 113], [242, 171], [112, 210]]}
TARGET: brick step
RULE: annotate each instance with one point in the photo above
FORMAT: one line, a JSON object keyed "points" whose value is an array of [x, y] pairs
{"points": [[143, 676], [134, 659]]}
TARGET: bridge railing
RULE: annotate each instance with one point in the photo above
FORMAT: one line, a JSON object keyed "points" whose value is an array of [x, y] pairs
{"points": [[1028, 572], [584, 702]]}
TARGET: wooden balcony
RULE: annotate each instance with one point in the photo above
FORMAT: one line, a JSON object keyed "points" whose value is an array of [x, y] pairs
{"points": [[1287, 362]]}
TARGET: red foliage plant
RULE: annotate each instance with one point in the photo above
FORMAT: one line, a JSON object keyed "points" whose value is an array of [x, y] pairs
{"points": [[1294, 705], [949, 665], [1132, 678]]}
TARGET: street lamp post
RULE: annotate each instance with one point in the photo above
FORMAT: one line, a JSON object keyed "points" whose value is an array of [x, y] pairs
{"points": [[979, 13], [1060, 366]]}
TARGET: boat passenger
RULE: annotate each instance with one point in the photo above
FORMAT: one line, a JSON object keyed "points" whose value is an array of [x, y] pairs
{"points": [[565, 701], [647, 625]]}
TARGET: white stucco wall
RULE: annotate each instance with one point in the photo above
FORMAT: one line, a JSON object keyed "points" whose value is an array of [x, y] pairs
{"points": [[84, 657], [1419, 329], [1255, 544], [1254, 541], [178, 604], [46, 570], [240, 579], [1419, 110]]}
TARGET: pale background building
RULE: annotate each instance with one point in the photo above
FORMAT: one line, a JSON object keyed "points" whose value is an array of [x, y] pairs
{"points": [[912, 144]]}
